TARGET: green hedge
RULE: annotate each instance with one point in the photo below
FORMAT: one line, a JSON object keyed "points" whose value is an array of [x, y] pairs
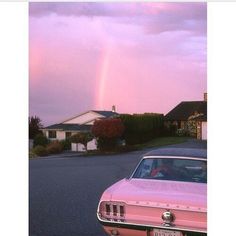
{"points": [[140, 128]]}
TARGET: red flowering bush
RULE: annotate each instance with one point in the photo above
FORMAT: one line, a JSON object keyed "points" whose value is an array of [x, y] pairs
{"points": [[107, 132]]}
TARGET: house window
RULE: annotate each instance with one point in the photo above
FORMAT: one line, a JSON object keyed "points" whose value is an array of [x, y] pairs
{"points": [[68, 135], [52, 134]]}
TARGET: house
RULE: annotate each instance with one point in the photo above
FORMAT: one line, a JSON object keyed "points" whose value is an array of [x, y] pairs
{"points": [[80, 123], [201, 124], [188, 113]]}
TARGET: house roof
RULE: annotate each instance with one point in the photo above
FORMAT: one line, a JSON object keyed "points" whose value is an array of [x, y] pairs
{"points": [[107, 114], [76, 127], [185, 109], [69, 127]]}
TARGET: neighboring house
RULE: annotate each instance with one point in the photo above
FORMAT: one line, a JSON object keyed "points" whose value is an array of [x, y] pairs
{"points": [[189, 111], [76, 124], [201, 124]]}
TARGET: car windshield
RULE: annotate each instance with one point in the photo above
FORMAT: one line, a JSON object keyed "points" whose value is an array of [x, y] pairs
{"points": [[173, 169]]}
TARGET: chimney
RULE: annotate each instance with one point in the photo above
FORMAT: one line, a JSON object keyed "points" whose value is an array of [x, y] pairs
{"points": [[113, 108], [205, 97]]}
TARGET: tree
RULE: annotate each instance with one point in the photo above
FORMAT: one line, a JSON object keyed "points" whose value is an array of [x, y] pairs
{"points": [[82, 138], [107, 132], [34, 126]]}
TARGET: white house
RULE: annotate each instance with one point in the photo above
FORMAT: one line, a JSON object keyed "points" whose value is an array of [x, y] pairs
{"points": [[76, 124]]}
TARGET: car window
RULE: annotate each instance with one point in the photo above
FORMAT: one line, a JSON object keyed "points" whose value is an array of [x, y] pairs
{"points": [[172, 169]]}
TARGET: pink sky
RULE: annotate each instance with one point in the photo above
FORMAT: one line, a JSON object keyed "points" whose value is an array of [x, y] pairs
{"points": [[141, 57]]}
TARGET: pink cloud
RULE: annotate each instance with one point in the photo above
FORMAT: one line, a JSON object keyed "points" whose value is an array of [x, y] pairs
{"points": [[141, 57]]}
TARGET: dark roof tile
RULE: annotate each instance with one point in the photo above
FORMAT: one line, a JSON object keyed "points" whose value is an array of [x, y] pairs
{"points": [[69, 127], [107, 114], [185, 109]]}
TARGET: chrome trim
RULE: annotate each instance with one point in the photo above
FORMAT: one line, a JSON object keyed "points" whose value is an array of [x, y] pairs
{"points": [[171, 207], [142, 225], [169, 157]]}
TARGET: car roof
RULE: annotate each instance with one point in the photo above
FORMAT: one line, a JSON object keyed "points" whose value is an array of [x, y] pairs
{"points": [[181, 152]]}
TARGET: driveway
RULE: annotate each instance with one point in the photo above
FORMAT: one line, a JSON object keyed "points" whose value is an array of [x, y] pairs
{"points": [[64, 192]]}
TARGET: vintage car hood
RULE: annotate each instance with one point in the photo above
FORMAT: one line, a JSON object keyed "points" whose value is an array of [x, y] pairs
{"points": [[137, 191]]}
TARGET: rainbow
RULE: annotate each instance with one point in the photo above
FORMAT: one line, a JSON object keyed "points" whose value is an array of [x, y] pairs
{"points": [[102, 77]]}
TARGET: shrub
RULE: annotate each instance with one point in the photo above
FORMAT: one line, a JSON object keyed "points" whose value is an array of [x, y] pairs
{"points": [[39, 150], [54, 147], [66, 144], [140, 128], [107, 132], [106, 144], [41, 140], [108, 128]]}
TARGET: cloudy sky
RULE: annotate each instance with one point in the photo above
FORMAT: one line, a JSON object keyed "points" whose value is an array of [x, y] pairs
{"points": [[141, 57]]}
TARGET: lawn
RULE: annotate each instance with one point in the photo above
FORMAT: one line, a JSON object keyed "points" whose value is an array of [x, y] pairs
{"points": [[158, 142], [162, 141]]}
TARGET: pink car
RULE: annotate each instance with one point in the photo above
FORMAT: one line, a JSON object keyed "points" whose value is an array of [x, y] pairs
{"points": [[164, 196]]}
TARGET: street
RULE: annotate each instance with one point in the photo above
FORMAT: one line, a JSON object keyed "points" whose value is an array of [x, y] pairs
{"points": [[64, 192]]}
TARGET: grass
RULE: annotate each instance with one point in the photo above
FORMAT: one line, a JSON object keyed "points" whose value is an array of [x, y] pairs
{"points": [[162, 141]]}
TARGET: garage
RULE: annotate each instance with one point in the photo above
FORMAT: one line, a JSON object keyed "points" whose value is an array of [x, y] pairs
{"points": [[204, 130]]}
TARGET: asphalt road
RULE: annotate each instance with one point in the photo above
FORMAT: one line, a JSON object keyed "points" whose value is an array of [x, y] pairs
{"points": [[64, 192]]}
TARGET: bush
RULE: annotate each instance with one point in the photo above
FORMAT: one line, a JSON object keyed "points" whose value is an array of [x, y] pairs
{"points": [[140, 128], [40, 150], [108, 128], [106, 144], [41, 140], [108, 132], [66, 144], [54, 147], [170, 130]]}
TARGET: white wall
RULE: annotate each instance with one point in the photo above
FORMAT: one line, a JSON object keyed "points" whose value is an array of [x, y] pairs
{"points": [[61, 135], [80, 148], [204, 130], [92, 145], [84, 118]]}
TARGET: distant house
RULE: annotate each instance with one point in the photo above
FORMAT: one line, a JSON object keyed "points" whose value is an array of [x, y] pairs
{"points": [[80, 123], [189, 111], [201, 124]]}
